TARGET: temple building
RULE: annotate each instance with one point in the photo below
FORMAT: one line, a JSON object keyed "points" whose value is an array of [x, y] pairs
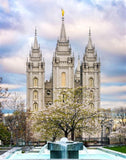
{"points": [[41, 93]]}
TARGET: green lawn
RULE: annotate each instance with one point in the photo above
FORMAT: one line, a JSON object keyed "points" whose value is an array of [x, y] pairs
{"points": [[118, 148]]}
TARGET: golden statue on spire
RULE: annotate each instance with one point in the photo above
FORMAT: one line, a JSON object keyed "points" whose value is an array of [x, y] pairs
{"points": [[62, 12]]}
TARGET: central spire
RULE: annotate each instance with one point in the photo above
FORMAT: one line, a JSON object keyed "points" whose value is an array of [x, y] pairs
{"points": [[89, 45], [35, 46], [63, 32]]}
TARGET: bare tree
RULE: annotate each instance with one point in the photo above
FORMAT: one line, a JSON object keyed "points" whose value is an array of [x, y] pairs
{"points": [[17, 121], [3, 97], [120, 114]]}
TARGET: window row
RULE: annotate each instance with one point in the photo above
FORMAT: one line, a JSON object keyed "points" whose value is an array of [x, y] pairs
{"points": [[91, 82], [63, 81], [35, 82], [35, 95], [35, 106]]}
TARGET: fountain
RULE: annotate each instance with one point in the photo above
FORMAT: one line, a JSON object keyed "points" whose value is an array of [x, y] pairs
{"points": [[64, 149]]}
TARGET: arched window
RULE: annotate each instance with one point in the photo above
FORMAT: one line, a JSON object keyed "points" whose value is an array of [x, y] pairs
{"points": [[92, 105], [48, 92], [91, 94], [91, 82], [35, 107], [35, 95], [35, 82], [63, 79], [49, 103], [107, 131]]}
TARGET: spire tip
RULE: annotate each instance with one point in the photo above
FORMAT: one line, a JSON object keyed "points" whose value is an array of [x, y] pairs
{"points": [[35, 46], [35, 31], [62, 12], [89, 32]]}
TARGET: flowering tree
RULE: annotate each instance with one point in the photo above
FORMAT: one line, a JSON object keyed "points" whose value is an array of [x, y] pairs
{"points": [[70, 113]]}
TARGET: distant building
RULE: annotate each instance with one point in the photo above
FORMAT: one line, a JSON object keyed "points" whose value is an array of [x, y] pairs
{"points": [[41, 93]]}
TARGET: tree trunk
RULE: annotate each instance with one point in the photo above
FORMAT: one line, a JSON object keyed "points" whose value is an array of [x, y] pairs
{"points": [[72, 135], [53, 138], [66, 134]]}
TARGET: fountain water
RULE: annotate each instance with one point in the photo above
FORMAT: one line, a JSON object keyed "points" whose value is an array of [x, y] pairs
{"points": [[43, 149], [84, 148], [64, 149]]}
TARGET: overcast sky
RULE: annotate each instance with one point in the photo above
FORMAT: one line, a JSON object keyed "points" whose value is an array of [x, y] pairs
{"points": [[106, 18]]}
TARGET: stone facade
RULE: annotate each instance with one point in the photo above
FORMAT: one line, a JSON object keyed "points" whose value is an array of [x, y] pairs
{"points": [[35, 68], [90, 73], [41, 93], [63, 64]]}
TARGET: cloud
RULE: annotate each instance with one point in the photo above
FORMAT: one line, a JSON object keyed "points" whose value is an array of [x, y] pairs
{"points": [[13, 64], [5, 5], [9, 37], [112, 79], [112, 104], [10, 86], [107, 22], [79, 16], [79, 19], [109, 90], [122, 97]]}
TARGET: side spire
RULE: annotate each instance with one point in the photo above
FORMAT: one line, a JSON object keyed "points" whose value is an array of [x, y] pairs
{"points": [[35, 46], [89, 45], [62, 32]]}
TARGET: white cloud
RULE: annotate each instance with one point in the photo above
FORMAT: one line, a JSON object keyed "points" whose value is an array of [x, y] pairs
{"points": [[5, 5], [112, 104], [122, 97], [79, 16], [109, 90], [9, 36], [14, 64], [10, 86], [109, 79]]}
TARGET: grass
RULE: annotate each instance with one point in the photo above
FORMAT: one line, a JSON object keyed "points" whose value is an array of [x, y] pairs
{"points": [[121, 149]]}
